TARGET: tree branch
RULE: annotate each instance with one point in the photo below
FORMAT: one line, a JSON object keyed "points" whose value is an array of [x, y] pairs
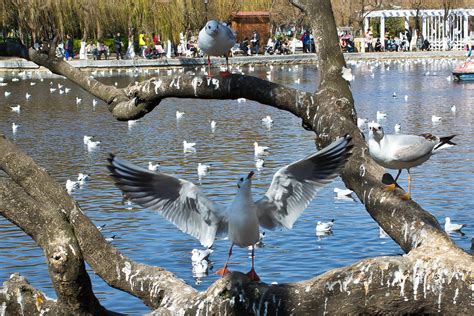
{"points": [[63, 254]]}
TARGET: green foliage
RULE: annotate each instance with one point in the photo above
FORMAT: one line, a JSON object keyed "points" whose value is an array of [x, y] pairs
{"points": [[393, 26]]}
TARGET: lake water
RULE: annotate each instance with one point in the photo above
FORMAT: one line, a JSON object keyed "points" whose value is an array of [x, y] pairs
{"points": [[52, 127]]}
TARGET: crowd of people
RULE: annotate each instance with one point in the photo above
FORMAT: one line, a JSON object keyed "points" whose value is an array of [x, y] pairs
{"points": [[151, 47]]}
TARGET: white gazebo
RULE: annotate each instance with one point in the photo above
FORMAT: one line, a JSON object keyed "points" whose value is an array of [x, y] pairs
{"points": [[443, 34]]}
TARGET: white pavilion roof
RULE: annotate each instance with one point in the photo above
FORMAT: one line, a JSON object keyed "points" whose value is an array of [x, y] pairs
{"points": [[409, 13]]}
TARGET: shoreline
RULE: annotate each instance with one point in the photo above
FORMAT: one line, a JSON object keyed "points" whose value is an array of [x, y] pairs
{"points": [[11, 63]]}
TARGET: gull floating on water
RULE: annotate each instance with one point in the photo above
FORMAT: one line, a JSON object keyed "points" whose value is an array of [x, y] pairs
{"points": [[216, 39], [453, 109], [202, 169], [7, 93], [398, 151], [71, 186], [241, 100], [259, 150], [324, 227], [293, 187], [406, 97], [213, 125], [92, 144], [94, 102], [200, 255], [51, 90], [179, 115], [27, 96], [82, 178], [188, 146], [14, 127], [435, 118], [259, 163], [87, 139], [15, 108], [397, 128], [381, 115], [267, 120], [153, 167], [451, 227], [343, 193], [78, 100]]}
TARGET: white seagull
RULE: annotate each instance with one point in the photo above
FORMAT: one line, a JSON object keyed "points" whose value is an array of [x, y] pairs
{"points": [[82, 178], [71, 186], [216, 39], [381, 115], [451, 227], [213, 125], [397, 128], [7, 93], [398, 151], [27, 96], [259, 150], [343, 193], [267, 120], [453, 109], [153, 167], [14, 127], [200, 255], [87, 139], [202, 169], [184, 204], [15, 108], [241, 100], [78, 100], [435, 118], [188, 146], [179, 115], [92, 144], [324, 227]]}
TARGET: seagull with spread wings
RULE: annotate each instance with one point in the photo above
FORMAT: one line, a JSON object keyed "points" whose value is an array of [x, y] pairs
{"points": [[184, 204]]}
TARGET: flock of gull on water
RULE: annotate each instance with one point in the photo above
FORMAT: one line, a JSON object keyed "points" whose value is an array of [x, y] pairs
{"points": [[292, 188]]}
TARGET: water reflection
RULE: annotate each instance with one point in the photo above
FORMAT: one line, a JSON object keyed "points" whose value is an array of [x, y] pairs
{"points": [[52, 127]]}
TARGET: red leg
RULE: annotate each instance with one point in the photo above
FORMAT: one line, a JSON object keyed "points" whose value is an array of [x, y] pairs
{"points": [[227, 72], [209, 66], [252, 274], [223, 271]]}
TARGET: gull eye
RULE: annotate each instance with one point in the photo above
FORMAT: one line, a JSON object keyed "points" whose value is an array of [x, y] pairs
{"points": [[209, 27]]}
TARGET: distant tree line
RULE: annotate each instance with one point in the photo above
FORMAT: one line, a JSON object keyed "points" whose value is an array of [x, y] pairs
{"points": [[32, 20]]}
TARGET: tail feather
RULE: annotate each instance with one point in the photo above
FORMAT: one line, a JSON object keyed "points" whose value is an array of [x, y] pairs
{"points": [[444, 142]]}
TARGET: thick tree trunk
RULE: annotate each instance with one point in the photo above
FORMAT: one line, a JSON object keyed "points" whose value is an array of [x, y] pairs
{"points": [[434, 276]]}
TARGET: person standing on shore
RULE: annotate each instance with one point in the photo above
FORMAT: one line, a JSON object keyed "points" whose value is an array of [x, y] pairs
{"points": [[118, 46], [142, 43], [69, 48], [255, 41]]}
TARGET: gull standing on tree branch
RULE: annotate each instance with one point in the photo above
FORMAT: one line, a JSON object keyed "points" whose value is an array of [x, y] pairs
{"points": [[399, 151], [184, 204], [216, 39]]}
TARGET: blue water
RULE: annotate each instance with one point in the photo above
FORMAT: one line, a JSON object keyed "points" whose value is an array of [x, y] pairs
{"points": [[53, 126]]}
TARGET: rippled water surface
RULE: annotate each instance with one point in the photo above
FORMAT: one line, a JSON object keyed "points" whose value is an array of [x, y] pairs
{"points": [[52, 127]]}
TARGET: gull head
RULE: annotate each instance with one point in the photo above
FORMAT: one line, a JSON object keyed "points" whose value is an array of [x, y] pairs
{"points": [[245, 183], [376, 131], [212, 28]]}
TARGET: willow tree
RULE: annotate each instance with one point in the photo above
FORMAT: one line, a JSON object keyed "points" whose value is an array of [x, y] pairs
{"points": [[434, 275]]}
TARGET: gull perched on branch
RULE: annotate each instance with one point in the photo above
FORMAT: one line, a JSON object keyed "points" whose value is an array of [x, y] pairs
{"points": [[184, 204], [216, 39], [398, 151]]}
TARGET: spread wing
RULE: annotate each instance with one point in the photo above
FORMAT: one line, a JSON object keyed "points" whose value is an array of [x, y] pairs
{"points": [[179, 201], [409, 147], [294, 186]]}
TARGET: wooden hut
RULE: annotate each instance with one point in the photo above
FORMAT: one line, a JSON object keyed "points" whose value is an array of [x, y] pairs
{"points": [[244, 23]]}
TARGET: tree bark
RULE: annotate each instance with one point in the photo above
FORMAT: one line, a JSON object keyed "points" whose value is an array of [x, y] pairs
{"points": [[434, 276]]}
